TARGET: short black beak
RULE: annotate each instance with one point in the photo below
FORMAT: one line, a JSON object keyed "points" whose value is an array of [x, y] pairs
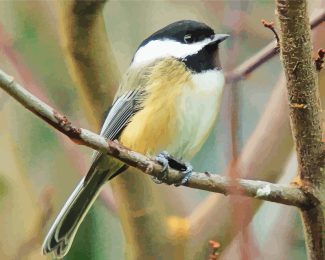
{"points": [[215, 40], [219, 38]]}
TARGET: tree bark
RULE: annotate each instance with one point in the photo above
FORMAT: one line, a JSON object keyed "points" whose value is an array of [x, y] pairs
{"points": [[305, 116]]}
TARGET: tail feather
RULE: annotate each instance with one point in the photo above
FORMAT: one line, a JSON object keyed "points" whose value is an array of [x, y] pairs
{"points": [[64, 229]]}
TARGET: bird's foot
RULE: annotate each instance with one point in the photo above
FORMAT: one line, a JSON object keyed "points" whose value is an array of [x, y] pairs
{"points": [[166, 161], [162, 159]]}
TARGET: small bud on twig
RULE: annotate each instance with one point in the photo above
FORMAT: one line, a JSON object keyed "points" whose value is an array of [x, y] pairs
{"points": [[215, 246], [270, 25]]}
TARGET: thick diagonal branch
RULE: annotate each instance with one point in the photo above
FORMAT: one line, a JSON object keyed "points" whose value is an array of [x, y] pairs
{"points": [[89, 55], [288, 195]]}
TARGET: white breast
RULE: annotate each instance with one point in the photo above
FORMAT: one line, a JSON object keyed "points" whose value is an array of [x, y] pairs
{"points": [[199, 106]]}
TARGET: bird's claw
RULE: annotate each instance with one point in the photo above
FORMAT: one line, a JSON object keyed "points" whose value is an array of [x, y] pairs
{"points": [[162, 159], [166, 161], [187, 175]]}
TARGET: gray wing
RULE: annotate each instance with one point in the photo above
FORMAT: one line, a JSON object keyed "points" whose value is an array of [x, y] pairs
{"points": [[120, 113], [122, 110]]}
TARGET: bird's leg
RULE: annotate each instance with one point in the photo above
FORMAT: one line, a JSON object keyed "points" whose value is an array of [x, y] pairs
{"points": [[166, 161]]}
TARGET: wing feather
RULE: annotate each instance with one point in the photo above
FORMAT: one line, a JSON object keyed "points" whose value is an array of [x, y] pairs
{"points": [[121, 112], [117, 118]]}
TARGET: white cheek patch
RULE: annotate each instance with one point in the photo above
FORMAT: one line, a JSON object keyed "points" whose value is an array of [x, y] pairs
{"points": [[166, 48]]}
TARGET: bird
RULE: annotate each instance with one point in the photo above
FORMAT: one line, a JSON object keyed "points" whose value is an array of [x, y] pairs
{"points": [[166, 105]]}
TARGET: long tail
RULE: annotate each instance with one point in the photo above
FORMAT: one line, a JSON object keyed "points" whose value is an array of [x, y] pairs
{"points": [[65, 226]]}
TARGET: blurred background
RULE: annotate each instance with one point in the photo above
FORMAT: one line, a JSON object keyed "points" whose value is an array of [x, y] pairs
{"points": [[39, 167]]}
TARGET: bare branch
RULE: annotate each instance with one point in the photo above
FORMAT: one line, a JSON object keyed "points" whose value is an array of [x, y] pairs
{"points": [[269, 51], [305, 116], [289, 195]]}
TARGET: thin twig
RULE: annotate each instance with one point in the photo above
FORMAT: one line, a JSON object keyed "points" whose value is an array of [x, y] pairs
{"points": [[289, 195], [269, 51], [270, 25]]}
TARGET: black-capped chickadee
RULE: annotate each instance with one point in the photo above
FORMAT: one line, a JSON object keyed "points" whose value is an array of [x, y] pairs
{"points": [[168, 100]]}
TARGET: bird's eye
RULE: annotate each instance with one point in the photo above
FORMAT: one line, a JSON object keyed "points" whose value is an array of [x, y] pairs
{"points": [[188, 38]]}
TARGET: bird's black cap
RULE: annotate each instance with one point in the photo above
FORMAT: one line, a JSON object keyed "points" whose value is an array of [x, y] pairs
{"points": [[178, 30]]}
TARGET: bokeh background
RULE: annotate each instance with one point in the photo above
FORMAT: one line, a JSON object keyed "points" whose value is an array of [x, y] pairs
{"points": [[39, 167]]}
